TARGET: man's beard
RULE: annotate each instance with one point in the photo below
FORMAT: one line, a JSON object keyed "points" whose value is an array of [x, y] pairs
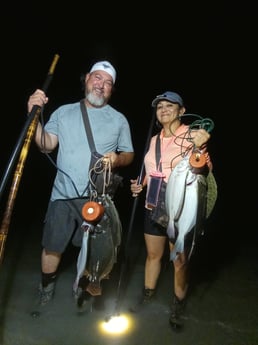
{"points": [[95, 100]]}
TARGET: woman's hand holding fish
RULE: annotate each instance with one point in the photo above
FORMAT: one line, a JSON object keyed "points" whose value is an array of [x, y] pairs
{"points": [[200, 137]]}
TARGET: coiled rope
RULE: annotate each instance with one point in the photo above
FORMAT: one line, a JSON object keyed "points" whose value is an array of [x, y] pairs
{"points": [[102, 167]]}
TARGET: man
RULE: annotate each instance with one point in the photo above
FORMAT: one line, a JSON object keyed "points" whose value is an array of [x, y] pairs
{"points": [[65, 130]]}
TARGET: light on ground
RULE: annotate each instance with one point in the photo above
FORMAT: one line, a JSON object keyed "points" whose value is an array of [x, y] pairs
{"points": [[118, 324]]}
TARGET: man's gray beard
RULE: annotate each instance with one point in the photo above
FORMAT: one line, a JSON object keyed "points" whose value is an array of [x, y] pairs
{"points": [[95, 100]]}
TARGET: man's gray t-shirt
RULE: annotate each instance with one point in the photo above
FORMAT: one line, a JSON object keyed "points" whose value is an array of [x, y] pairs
{"points": [[110, 130]]}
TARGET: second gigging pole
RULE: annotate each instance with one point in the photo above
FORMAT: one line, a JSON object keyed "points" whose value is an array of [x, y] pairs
{"points": [[22, 146]]}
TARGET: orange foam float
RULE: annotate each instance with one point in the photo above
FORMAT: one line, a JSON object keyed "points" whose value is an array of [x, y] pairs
{"points": [[92, 211]]}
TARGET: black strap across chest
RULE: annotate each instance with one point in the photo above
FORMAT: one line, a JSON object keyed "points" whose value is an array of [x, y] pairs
{"points": [[87, 126], [158, 153]]}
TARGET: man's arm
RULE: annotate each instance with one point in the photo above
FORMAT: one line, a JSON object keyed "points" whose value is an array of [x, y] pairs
{"points": [[120, 159], [46, 142]]}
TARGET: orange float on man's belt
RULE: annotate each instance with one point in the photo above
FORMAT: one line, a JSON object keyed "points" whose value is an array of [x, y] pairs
{"points": [[92, 211]]}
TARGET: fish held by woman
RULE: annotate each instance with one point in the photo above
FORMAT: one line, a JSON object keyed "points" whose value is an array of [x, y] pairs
{"points": [[190, 198]]}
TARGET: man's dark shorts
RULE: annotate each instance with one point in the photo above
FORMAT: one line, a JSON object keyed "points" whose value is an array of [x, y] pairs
{"points": [[63, 223]]}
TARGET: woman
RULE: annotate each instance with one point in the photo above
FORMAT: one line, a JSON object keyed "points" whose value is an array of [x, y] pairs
{"points": [[176, 142]]}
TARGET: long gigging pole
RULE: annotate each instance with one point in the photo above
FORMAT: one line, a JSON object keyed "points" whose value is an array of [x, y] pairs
{"points": [[25, 138], [124, 265]]}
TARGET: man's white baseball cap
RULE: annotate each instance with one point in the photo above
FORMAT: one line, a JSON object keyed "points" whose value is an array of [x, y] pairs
{"points": [[104, 66]]}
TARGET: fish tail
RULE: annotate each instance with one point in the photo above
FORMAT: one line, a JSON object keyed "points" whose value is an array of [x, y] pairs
{"points": [[178, 248]]}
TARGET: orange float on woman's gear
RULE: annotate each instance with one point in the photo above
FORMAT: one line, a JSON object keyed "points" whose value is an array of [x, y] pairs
{"points": [[92, 211], [197, 160], [198, 164]]}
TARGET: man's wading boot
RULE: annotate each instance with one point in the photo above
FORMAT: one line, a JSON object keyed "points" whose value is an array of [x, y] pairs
{"points": [[46, 293], [177, 309], [144, 300]]}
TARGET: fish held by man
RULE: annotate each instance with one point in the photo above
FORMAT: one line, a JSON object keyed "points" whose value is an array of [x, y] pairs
{"points": [[99, 250]]}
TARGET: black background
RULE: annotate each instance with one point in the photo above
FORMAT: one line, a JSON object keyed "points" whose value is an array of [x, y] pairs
{"points": [[206, 54]]}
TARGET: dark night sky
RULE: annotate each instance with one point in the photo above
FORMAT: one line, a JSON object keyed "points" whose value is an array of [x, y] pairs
{"points": [[206, 54]]}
